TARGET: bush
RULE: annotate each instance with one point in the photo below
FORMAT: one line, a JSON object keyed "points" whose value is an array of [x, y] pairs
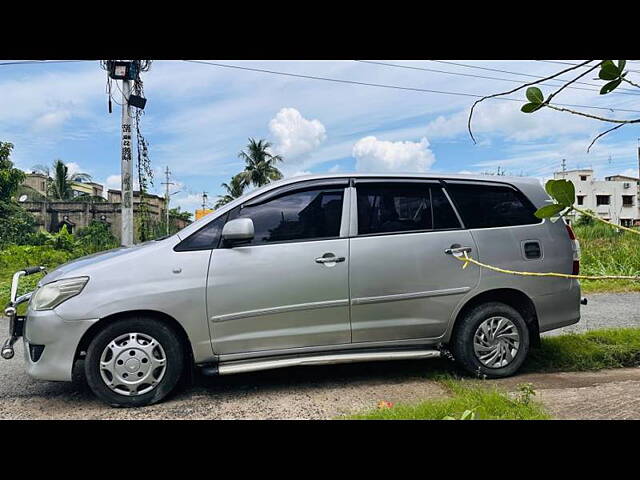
{"points": [[16, 224], [96, 237]]}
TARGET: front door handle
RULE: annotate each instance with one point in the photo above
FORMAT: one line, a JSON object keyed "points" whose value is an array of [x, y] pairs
{"points": [[329, 258], [457, 249]]}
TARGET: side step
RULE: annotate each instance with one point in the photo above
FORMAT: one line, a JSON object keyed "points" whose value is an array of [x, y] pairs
{"points": [[326, 359]]}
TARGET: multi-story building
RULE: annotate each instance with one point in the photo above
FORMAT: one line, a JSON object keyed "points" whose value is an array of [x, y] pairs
{"points": [[614, 199], [38, 182]]}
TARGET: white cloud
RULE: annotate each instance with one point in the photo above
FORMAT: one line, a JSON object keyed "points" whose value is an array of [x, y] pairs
{"points": [[51, 120], [382, 156], [114, 182], [300, 173], [296, 136]]}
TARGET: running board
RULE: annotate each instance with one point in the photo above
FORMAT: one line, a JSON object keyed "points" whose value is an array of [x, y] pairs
{"points": [[253, 366]]}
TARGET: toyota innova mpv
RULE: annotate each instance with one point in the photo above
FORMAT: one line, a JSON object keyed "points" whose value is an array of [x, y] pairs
{"points": [[305, 271]]}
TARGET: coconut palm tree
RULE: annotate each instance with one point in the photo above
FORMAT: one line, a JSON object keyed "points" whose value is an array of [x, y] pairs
{"points": [[260, 165], [234, 190], [59, 184]]}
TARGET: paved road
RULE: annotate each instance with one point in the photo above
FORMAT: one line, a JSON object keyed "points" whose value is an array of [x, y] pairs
{"points": [[328, 391]]}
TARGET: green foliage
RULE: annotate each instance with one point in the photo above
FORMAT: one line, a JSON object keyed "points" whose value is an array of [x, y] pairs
{"points": [[235, 189], [10, 177], [613, 74], [536, 99], [96, 237], [585, 220], [16, 224], [564, 194], [594, 350], [468, 401], [63, 240], [59, 187], [176, 213], [607, 251], [260, 164]]}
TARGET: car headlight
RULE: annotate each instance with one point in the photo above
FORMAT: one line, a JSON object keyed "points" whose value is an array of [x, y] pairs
{"points": [[53, 294]]}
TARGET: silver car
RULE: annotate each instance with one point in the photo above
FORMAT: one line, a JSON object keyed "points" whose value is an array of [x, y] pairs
{"points": [[305, 271]]}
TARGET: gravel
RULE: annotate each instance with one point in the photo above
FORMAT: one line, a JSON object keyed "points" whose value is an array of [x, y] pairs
{"points": [[318, 392]]}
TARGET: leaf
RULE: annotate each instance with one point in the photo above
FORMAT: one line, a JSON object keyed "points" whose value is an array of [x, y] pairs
{"points": [[549, 211], [610, 87], [562, 191], [530, 107], [534, 95], [608, 71], [621, 65]]}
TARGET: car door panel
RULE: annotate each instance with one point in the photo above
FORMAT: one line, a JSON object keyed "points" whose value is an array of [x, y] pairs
{"points": [[404, 286]]}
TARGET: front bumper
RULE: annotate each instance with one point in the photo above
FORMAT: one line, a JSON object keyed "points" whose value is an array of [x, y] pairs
{"points": [[60, 340]]}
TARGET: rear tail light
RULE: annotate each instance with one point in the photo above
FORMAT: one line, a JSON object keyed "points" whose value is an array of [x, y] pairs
{"points": [[575, 247]]}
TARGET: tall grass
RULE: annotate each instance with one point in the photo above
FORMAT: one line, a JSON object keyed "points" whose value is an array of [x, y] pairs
{"points": [[605, 251]]}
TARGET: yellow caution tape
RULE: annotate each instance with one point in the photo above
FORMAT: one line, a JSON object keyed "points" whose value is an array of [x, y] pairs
{"points": [[467, 259]]}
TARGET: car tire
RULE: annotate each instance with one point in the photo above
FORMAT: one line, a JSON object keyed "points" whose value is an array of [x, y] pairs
{"points": [[491, 340], [134, 362]]}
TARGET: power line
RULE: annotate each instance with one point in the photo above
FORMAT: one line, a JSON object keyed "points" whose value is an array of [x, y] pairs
{"points": [[488, 78], [397, 87], [466, 65], [574, 64]]}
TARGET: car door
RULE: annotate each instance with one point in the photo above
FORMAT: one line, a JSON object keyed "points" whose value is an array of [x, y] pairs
{"points": [[288, 287], [403, 284]]}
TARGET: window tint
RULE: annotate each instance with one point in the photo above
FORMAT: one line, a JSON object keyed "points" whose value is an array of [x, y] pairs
{"points": [[205, 238], [301, 215], [484, 206], [393, 207]]}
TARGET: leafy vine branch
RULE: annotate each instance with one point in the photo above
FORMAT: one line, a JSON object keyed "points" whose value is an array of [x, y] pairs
{"points": [[614, 74]]}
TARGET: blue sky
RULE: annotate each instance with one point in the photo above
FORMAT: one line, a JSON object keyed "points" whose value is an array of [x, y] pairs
{"points": [[198, 117]]}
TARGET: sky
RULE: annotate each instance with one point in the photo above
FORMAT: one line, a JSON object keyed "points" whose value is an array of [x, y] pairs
{"points": [[199, 116]]}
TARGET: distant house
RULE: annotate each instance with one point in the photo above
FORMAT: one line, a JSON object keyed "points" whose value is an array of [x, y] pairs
{"points": [[614, 199]]}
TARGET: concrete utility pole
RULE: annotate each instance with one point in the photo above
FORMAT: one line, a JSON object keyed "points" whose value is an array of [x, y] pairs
{"points": [[126, 166], [167, 173], [204, 200], [564, 167]]}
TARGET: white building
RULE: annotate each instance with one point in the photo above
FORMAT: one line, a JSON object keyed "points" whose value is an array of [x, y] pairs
{"points": [[614, 199]]}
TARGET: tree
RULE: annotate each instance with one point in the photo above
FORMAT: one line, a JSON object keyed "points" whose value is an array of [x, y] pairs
{"points": [[177, 213], [16, 224], [260, 164], [10, 177], [59, 186], [614, 74], [234, 189]]}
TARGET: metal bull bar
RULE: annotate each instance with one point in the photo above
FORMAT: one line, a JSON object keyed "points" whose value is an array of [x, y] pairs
{"points": [[16, 322]]}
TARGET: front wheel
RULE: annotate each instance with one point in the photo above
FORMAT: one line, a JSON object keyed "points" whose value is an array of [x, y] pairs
{"points": [[134, 362], [492, 340]]}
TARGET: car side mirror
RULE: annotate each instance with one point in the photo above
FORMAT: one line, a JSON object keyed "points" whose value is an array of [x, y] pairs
{"points": [[238, 231]]}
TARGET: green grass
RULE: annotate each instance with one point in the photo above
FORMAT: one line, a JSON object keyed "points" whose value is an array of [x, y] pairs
{"points": [[16, 257], [594, 350], [485, 403], [607, 252]]}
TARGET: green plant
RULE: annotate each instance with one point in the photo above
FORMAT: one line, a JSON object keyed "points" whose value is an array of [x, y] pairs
{"points": [[260, 164], [96, 237], [59, 187], [466, 415], [525, 393], [585, 220], [63, 240], [234, 190]]}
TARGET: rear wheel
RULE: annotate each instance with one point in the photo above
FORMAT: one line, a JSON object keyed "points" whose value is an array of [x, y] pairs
{"points": [[134, 362], [492, 340]]}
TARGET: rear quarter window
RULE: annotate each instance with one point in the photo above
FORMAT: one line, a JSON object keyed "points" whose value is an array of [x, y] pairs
{"points": [[486, 206]]}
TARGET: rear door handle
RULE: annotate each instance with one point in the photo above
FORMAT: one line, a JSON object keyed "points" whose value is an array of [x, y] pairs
{"points": [[456, 249], [329, 258]]}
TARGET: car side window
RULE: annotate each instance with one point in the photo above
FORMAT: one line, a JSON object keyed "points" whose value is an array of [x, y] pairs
{"points": [[309, 214], [486, 206], [206, 238], [443, 215], [393, 207]]}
